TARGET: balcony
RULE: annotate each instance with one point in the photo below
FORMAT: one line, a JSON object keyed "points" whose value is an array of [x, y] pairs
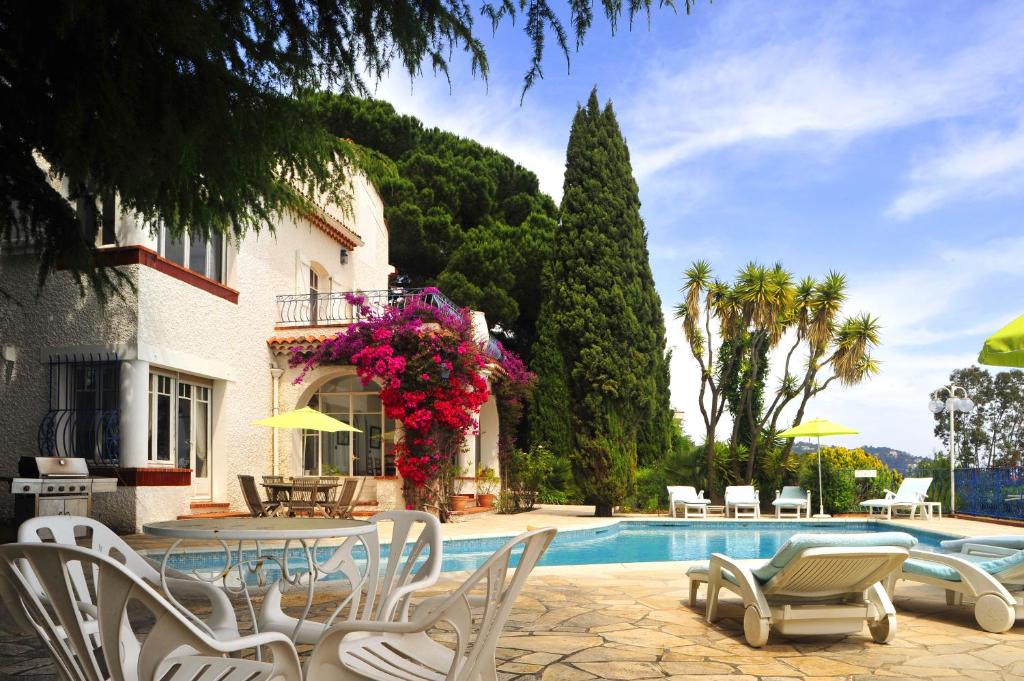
{"points": [[320, 310], [332, 309]]}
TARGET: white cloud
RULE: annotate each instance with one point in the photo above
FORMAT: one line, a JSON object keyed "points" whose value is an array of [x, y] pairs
{"points": [[829, 83], [983, 166]]}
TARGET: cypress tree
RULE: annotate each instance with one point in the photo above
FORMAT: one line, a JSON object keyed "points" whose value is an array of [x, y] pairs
{"points": [[602, 395]]}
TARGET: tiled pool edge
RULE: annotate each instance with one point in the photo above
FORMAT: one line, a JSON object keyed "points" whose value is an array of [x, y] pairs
{"points": [[616, 525]]}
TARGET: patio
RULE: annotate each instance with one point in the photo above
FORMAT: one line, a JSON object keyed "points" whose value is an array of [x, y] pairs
{"points": [[629, 622]]}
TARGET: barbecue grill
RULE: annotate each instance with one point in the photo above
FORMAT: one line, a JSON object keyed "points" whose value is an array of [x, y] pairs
{"points": [[55, 485]]}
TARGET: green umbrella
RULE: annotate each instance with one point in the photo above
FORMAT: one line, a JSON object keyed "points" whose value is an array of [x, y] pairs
{"points": [[817, 428], [1005, 348]]}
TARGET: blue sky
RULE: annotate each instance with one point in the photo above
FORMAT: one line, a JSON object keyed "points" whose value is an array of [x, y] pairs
{"points": [[882, 140]]}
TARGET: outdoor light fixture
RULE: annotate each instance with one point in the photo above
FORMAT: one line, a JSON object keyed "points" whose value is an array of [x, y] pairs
{"points": [[952, 404], [343, 256]]}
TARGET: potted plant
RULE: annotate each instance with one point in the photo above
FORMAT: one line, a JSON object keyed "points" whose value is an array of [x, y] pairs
{"points": [[457, 501], [487, 483]]}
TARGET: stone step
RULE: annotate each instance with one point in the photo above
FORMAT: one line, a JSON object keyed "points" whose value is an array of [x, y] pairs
{"points": [[213, 515], [473, 509], [209, 506]]}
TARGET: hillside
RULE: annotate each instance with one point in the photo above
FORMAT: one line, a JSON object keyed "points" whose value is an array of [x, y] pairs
{"points": [[896, 459]]}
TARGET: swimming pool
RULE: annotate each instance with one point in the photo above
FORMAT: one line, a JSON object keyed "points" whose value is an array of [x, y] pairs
{"points": [[622, 542]]}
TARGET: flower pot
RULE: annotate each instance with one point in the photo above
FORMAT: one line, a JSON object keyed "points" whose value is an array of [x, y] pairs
{"points": [[460, 502], [485, 500]]}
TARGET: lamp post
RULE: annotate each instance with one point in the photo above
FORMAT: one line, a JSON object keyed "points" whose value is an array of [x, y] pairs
{"points": [[952, 404]]}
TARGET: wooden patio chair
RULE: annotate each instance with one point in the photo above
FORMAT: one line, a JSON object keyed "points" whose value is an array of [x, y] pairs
{"points": [[257, 507], [275, 495], [329, 487], [303, 498], [345, 500]]}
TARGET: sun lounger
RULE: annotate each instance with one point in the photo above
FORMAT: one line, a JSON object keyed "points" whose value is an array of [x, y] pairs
{"points": [[987, 570], [690, 499], [742, 502], [814, 584], [911, 495], [792, 499]]}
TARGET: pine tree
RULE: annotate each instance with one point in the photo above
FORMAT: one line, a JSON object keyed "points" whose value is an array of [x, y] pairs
{"points": [[602, 393], [193, 113]]}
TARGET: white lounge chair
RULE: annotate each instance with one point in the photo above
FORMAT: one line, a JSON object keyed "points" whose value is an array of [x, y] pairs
{"points": [[373, 594], [814, 584], [911, 495], [792, 499], [742, 501], [72, 530], [987, 570], [100, 638], [476, 612], [689, 498]]}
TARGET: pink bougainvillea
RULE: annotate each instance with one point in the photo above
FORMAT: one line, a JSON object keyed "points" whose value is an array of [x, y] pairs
{"points": [[433, 375]]}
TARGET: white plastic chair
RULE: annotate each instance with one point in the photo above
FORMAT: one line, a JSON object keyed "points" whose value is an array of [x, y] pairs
{"points": [[374, 594], [740, 497], [97, 639], [814, 584], [689, 498], [404, 650], [910, 495], [792, 498], [987, 570], [70, 530]]}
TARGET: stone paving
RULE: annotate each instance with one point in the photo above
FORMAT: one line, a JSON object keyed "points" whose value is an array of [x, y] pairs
{"points": [[631, 621], [633, 624]]}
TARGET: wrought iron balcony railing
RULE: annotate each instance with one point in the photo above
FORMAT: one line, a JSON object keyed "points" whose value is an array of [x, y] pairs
{"points": [[333, 309]]}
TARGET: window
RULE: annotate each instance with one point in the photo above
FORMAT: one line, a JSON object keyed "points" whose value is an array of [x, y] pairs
{"points": [[370, 452], [179, 423], [202, 257], [83, 415]]}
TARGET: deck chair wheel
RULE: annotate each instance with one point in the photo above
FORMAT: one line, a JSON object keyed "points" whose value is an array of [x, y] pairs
{"points": [[884, 630], [993, 614], [755, 627]]}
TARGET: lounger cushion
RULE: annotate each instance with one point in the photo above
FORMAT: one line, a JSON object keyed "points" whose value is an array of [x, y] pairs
{"points": [[692, 502], [700, 571], [800, 542], [1005, 541], [992, 566], [789, 502]]}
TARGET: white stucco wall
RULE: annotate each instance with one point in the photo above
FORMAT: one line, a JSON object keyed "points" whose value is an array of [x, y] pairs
{"points": [[179, 328], [58, 319]]}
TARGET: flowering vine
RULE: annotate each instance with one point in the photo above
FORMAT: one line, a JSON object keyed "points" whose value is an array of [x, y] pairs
{"points": [[433, 375]]}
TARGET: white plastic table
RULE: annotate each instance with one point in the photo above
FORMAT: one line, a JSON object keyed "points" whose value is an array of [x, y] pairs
{"points": [[247, 534]]}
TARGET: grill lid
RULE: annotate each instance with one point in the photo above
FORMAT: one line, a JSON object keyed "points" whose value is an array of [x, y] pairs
{"points": [[53, 467]]}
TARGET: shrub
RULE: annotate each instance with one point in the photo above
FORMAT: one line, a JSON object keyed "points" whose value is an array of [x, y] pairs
{"points": [[842, 491]]}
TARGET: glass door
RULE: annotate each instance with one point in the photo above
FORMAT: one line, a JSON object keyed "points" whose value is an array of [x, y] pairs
{"points": [[193, 428], [201, 432]]}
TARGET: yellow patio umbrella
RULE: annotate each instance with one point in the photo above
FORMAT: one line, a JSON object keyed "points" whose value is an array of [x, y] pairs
{"points": [[308, 419], [1005, 348], [817, 428]]}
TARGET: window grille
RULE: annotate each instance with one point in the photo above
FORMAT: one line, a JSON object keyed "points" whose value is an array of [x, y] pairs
{"points": [[83, 417]]}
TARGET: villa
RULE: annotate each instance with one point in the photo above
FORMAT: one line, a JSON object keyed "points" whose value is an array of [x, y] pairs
{"points": [[159, 389]]}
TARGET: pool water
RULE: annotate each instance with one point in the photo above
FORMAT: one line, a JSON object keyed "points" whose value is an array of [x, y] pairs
{"points": [[622, 542]]}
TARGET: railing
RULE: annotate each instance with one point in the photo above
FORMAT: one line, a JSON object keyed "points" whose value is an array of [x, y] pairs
{"points": [[992, 492], [333, 309]]}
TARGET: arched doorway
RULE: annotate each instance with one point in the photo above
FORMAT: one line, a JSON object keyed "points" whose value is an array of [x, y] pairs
{"points": [[370, 452]]}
